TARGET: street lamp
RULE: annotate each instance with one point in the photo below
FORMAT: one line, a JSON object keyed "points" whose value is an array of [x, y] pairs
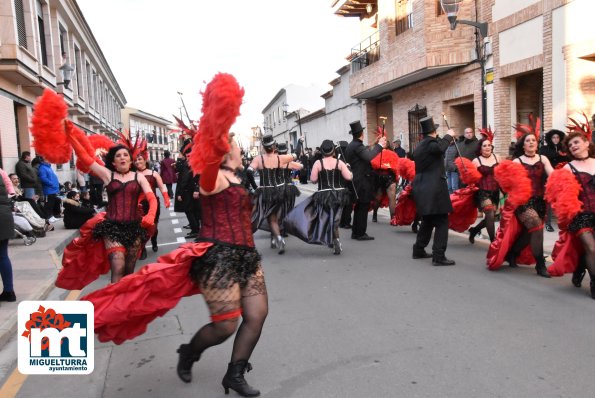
{"points": [[451, 9]]}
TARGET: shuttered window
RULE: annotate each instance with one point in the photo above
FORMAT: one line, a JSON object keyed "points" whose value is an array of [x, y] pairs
{"points": [[21, 30]]}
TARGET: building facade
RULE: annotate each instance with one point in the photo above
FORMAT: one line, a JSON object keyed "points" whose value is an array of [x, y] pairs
{"points": [[48, 44], [152, 128], [535, 59]]}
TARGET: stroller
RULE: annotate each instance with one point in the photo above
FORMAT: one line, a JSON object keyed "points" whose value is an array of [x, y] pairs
{"points": [[21, 231]]}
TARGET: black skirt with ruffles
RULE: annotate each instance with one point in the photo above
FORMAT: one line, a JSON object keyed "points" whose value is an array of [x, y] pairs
{"points": [[581, 221], [223, 265], [124, 233]]}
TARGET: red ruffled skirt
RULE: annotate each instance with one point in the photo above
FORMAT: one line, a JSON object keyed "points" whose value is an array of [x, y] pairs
{"points": [[405, 209], [464, 212], [124, 310], [566, 254]]}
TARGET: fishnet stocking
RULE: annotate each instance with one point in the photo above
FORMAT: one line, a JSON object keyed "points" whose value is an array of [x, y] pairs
{"points": [[131, 256], [530, 219], [588, 242], [391, 191], [489, 216], [116, 259]]}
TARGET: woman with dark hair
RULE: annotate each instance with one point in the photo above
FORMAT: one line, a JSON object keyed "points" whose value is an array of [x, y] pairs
{"points": [[556, 155], [75, 214], [289, 191], [571, 190], [488, 196], [269, 195], [154, 179], [316, 220], [530, 215], [223, 263], [116, 234]]}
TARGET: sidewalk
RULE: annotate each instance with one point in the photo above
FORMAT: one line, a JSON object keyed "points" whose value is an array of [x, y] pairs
{"points": [[34, 270]]}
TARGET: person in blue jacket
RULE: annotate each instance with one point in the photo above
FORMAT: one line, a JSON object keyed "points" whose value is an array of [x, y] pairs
{"points": [[51, 188]]}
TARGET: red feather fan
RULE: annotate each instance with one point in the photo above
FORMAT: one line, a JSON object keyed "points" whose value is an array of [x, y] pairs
{"points": [[468, 172], [561, 191], [584, 128], [81, 137], [407, 169], [464, 209], [405, 209], [220, 108], [514, 180], [47, 128], [385, 160], [100, 141]]}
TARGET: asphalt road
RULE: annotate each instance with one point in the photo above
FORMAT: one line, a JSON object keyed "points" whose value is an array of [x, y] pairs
{"points": [[371, 322]]}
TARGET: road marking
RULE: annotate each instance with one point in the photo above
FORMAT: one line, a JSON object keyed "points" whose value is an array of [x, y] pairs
{"points": [[181, 240], [172, 214], [175, 221], [177, 230]]}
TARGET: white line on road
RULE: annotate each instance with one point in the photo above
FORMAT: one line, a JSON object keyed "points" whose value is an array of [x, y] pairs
{"points": [[177, 230], [175, 221], [181, 240], [172, 214]]}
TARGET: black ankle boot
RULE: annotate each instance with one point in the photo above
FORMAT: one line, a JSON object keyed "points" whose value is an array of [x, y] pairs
{"points": [[8, 296], [593, 287], [511, 259], [472, 233], [234, 379], [577, 276], [541, 269], [186, 359]]}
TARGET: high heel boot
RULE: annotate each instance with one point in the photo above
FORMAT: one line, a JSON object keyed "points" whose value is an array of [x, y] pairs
{"points": [[234, 379], [472, 233], [511, 259], [541, 269], [280, 244], [186, 359]]}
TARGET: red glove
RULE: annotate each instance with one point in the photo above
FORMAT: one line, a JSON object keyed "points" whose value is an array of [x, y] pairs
{"points": [[166, 200], [208, 178], [85, 160], [149, 219]]}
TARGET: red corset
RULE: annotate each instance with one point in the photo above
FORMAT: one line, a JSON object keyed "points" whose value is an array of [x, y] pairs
{"points": [[226, 217], [122, 204], [152, 181], [488, 181], [537, 176], [587, 194]]}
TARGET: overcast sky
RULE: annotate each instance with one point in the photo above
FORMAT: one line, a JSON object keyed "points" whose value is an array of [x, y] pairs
{"points": [[156, 48]]}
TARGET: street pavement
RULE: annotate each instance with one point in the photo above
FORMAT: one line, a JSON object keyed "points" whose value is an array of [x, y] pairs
{"points": [[371, 322]]}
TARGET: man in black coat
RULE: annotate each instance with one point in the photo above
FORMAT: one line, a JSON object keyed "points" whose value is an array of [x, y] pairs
{"points": [[359, 157], [430, 193], [187, 192]]}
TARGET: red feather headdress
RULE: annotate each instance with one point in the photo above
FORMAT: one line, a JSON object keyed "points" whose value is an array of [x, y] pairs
{"points": [[487, 134], [583, 128], [220, 108], [182, 127], [534, 127], [100, 141], [139, 147]]}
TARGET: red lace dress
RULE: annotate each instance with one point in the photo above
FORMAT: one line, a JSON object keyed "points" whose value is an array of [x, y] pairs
{"points": [[586, 218], [224, 252], [122, 218]]}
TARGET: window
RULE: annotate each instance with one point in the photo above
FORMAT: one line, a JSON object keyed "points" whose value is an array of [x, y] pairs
{"points": [[89, 91], [404, 13], [40, 25], [439, 10], [77, 68], [21, 29], [63, 39]]}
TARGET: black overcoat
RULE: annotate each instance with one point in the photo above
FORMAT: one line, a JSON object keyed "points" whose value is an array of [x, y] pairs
{"points": [[430, 190], [359, 156], [6, 217]]}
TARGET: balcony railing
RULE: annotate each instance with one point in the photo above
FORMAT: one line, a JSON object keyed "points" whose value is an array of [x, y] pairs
{"points": [[366, 52]]}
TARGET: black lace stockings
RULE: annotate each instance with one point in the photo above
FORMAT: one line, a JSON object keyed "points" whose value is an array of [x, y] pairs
{"points": [[530, 220], [588, 242], [121, 262], [253, 300], [274, 224]]}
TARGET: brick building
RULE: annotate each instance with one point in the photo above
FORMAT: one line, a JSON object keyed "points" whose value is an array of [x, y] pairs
{"points": [[34, 37], [410, 63]]}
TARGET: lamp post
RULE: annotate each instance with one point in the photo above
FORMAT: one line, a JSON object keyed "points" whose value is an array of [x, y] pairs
{"points": [[451, 9]]}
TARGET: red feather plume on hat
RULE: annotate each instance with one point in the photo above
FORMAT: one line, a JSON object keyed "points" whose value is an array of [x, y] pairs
{"points": [[100, 141], [487, 134], [220, 108], [534, 127], [47, 128], [583, 128], [139, 147]]}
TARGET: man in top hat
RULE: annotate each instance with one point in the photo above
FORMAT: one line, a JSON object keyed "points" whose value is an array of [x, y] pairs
{"points": [[359, 157], [430, 193]]}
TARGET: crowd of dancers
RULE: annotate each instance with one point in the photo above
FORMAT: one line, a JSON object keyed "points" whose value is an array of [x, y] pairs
{"points": [[223, 264]]}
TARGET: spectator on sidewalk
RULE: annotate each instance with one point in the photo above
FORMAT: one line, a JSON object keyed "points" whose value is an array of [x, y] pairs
{"points": [[20, 198], [6, 232], [469, 144], [168, 172], [398, 149], [27, 175], [51, 188], [75, 214], [452, 173]]}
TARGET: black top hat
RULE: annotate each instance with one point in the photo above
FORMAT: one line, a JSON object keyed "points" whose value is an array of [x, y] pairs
{"points": [[327, 147], [282, 148], [427, 125], [356, 128], [268, 141]]}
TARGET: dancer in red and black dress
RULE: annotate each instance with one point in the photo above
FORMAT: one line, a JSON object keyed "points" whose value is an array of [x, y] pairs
{"points": [[223, 264], [571, 191], [155, 181], [488, 196], [526, 230]]}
